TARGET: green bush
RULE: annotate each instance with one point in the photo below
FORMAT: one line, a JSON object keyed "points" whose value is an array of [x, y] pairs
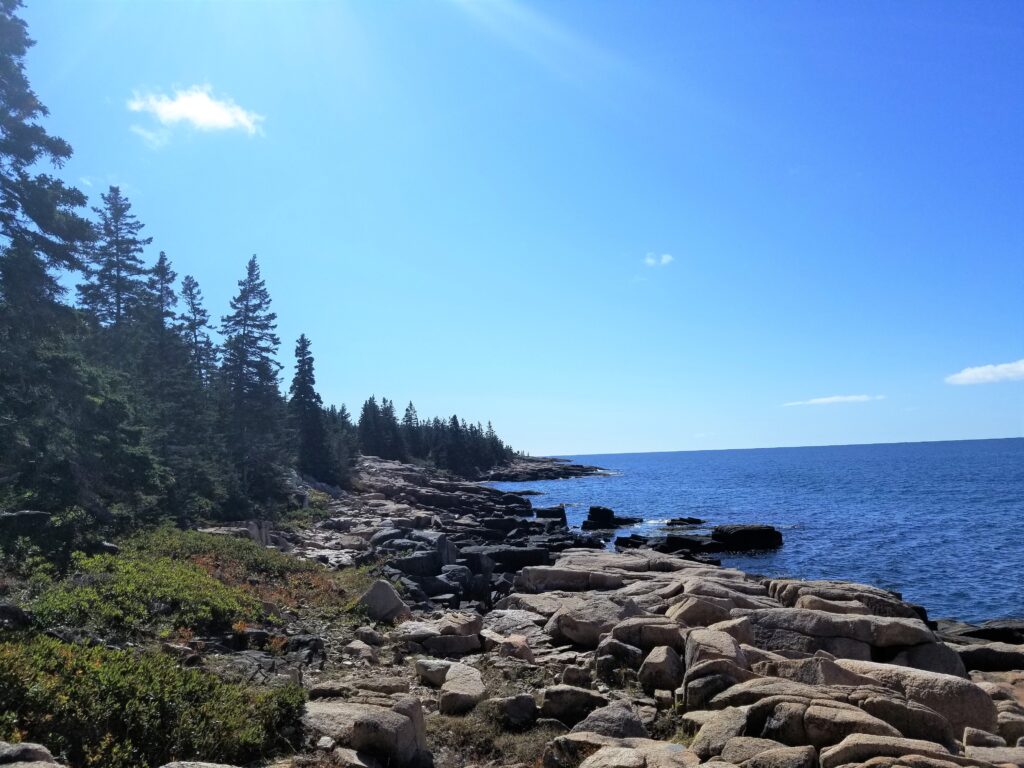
{"points": [[217, 550], [266, 574], [130, 594], [118, 709]]}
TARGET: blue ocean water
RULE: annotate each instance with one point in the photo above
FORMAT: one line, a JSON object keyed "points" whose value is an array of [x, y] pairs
{"points": [[942, 523]]}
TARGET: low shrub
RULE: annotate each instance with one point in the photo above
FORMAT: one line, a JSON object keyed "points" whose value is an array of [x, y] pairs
{"points": [[267, 574], [118, 709], [129, 594], [472, 738]]}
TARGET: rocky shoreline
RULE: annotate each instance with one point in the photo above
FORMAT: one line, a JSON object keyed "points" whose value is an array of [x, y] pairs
{"points": [[524, 469], [492, 622]]}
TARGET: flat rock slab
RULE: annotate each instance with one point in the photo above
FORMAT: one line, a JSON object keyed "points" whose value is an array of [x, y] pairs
{"points": [[462, 690], [377, 731]]}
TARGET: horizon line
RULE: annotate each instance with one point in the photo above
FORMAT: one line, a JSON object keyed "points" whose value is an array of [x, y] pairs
{"points": [[775, 447]]}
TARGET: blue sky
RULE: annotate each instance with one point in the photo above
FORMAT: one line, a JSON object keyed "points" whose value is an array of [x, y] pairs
{"points": [[606, 227]]}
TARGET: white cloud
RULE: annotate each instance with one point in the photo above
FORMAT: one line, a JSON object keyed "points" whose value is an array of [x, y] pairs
{"points": [[155, 139], [834, 399], [196, 107], [989, 374], [654, 260]]}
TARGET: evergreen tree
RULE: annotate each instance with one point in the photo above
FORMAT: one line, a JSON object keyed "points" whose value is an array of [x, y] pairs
{"points": [[195, 327], [115, 284], [253, 414], [314, 455], [38, 213], [393, 447], [412, 434], [370, 441], [65, 437]]}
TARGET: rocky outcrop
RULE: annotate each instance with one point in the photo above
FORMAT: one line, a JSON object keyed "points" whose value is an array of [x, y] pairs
{"points": [[495, 615]]}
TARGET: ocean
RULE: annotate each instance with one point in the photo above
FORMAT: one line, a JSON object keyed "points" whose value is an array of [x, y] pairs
{"points": [[942, 523]]}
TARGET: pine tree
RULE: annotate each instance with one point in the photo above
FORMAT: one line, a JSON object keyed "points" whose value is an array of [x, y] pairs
{"points": [[38, 213], [314, 454], [393, 447], [115, 283], [65, 438], [253, 408], [370, 440], [412, 433], [195, 327]]}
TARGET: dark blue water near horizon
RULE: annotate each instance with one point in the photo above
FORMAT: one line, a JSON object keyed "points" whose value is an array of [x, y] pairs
{"points": [[942, 523]]}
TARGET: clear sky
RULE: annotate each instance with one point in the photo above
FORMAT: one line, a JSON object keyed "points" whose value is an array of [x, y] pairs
{"points": [[605, 226]]}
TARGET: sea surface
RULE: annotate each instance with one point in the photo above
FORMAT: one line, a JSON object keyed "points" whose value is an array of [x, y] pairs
{"points": [[942, 523]]}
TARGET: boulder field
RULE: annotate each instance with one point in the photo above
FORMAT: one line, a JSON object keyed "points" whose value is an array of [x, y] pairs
{"points": [[485, 612]]}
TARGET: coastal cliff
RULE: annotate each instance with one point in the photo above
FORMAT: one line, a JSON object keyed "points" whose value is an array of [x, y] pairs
{"points": [[477, 629]]}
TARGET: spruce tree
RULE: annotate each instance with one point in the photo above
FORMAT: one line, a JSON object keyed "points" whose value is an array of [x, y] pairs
{"points": [[195, 328], [314, 455], [412, 433], [65, 438], [370, 440], [253, 414], [115, 284]]}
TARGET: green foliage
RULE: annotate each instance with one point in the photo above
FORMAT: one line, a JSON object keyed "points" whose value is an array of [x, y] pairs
{"points": [[224, 551], [128, 595], [465, 449], [117, 709], [315, 454], [265, 574]]}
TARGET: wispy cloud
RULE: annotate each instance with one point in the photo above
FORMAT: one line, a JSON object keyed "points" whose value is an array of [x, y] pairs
{"points": [[654, 260], [195, 107], [836, 399], [989, 374], [543, 39]]}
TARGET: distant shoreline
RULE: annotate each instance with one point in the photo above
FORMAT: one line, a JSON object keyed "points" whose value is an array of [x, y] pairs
{"points": [[575, 456]]}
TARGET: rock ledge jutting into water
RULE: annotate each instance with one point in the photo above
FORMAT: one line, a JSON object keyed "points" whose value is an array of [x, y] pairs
{"points": [[634, 658]]}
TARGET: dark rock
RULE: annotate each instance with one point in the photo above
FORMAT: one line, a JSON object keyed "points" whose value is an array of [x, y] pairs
{"points": [[13, 617], [617, 720], [602, 518], [569, 704], [992, 657], [513, 712], [422, 564], [747, 537], [508, 558]]}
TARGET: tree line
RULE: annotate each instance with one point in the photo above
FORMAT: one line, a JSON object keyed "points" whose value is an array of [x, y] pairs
{"points": [[127, 397]]}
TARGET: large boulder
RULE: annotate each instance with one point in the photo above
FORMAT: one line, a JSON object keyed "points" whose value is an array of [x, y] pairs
{"points": [[850, 636], [693, 611], [463, 689], [378, 731], [569, 704], [543, 578], [511, 712], [25, 753], [648, 632], [859, 748], [828, 723], [619, 720], [997, 755], [992, 657], [960, 701], [662, 669], [747, 537], [382, 603], [583, 624], [717, 730]]}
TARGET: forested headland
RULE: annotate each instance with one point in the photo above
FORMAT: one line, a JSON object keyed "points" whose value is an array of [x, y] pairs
{"points": [[126, 397]]}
